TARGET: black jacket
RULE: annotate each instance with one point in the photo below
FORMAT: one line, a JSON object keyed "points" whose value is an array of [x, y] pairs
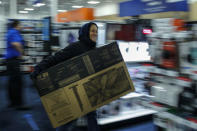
{"points": [[74, 49], [77, 48]]}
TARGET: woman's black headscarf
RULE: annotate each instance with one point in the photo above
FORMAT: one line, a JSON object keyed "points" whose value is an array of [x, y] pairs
{"points": [[84, 34]]}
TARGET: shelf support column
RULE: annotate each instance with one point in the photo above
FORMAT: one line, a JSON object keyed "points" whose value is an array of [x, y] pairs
{"points": [[54, 7]]}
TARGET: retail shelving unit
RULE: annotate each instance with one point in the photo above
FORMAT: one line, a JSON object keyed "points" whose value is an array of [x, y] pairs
{"points": [[127, 115], [2, 44], [33, 37], [173, 75]]}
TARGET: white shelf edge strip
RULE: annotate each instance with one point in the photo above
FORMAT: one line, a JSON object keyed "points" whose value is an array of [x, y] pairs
{"points": [[121, 117]]}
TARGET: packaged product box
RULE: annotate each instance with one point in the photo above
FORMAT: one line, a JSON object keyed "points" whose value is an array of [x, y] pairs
{"points": [[84, 83], [188, 57]]}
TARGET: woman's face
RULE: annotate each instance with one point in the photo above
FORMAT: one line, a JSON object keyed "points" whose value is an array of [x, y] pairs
{"points": [[93, 33]]}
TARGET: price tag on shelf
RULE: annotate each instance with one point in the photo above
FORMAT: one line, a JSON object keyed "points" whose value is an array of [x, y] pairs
{"points": [[172, 73], [150, 69], [183, 121], [194, 75], [177, 119], [166, 114], [3, 68], [188, 123], [145, 69], [157, 70], [184, 82], [163, 71]]}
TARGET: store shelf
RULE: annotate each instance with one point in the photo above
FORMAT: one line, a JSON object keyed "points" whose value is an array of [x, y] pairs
{"points": [[176, 119], [125, 116], [132, 95]]}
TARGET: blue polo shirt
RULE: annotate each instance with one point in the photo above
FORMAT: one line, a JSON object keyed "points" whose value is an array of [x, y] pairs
{"points": [[13, 35]]}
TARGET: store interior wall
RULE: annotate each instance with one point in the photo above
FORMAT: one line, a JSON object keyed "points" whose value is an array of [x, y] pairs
{"points": [[2, 25], [193, 10], [178, 15], [108, 9], [111, 17], [8, 10], [28, 16], [2, 13], [111, 12]]}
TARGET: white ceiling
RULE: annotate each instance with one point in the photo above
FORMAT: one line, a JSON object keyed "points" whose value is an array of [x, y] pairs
{"points": [[62, 5]]}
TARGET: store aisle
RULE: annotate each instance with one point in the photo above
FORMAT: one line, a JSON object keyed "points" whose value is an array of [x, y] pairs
{"points": [[26, 120]]}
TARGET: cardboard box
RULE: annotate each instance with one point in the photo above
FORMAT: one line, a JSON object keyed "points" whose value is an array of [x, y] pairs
{"points": [[80, 85]]}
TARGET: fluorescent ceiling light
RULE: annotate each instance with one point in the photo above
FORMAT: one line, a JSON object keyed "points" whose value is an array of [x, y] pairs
{"points": [[77, 6], [29, 9], [24, 12], [36, 5], [39, 4], [93, 2], [61, 10], [0, 2]]}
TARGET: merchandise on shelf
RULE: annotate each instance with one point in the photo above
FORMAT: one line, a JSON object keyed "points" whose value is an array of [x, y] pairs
{"points": [[139, 77], [175, 85], [134, 51], [174, 122], [155, 47], [2, 44], [187, 52], [123, 105], [169, 52], [166, 94]]}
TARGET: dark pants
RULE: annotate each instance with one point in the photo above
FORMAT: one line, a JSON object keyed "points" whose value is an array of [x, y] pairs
{"points": [[91, 124], [14, 82], [92, 121]]}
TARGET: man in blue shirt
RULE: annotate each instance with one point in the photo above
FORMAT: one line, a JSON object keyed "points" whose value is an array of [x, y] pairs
{"points": [[13, 55]]}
